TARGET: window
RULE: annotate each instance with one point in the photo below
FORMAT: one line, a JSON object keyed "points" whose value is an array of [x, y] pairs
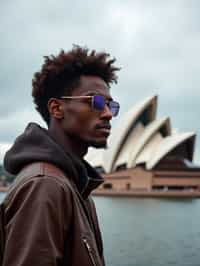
{"points": [[107, 186]]}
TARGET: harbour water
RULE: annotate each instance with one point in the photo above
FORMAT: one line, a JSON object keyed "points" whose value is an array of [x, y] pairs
{"points": [[149, 232]]}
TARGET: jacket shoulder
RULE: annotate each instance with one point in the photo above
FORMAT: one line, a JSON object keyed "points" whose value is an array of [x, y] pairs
{"points": [[40, 172]]}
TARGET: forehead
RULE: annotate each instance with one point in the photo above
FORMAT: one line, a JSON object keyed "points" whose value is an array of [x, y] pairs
{"points": [[91, 85]]}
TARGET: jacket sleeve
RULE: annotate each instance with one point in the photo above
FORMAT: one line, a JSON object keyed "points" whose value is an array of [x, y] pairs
{"points": [[37, 221], [97, 228]]}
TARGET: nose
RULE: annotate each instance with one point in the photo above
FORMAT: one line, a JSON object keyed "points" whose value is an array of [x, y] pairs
{"points": [[106, 113]]}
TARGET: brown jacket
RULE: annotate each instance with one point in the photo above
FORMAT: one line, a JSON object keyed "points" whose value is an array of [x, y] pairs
{"points": [[48, 222]]}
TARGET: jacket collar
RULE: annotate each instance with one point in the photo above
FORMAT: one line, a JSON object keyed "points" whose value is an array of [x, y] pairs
{"points": [[93, 180]]}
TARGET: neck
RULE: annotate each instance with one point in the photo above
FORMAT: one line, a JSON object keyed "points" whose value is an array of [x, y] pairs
{"points": [[68, 143]]}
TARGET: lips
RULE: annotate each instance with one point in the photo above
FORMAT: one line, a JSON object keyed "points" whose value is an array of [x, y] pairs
{"points": [[104, 129], [103, 126]]}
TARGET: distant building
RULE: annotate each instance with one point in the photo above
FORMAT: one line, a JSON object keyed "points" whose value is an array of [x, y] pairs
{"points": [[5, 178], [145, 154]]}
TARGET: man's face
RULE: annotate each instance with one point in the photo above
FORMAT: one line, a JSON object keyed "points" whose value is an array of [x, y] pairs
{"points": [[81, 122]]}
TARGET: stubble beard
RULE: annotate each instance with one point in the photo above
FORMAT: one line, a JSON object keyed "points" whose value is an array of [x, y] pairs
{"points": [[97, 145]]}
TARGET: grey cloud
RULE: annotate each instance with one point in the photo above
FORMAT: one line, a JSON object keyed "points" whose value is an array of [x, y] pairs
{"points": [[156, 43], [14, 124]]}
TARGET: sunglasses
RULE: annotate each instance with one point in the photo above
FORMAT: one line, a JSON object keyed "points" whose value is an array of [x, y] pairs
{"points": [[98, 103]]}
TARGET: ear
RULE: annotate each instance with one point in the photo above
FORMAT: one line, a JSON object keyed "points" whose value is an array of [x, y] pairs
{"points": [[55, 108]]}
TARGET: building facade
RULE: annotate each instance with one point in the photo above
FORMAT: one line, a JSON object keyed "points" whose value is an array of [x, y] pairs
{"points": [[147, 156]]}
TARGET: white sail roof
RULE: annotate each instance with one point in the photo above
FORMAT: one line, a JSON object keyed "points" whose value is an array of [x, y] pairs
{"points": [[168, 144], [126, 125], [95, 157], [141, 139], [148, 150], [149, 138], [129, 145]]}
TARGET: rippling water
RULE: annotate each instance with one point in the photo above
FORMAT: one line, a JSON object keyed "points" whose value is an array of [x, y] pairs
{"points": [[149, 232]]}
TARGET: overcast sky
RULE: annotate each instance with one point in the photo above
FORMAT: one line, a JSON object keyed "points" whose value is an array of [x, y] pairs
{"points": [[156, 42]]}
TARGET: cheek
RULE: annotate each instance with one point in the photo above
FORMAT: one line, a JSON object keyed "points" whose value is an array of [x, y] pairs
{"points": [[79, 120]]}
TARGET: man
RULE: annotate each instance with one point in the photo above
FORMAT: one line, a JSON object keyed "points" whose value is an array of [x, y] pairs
{"points": [[49, 216]]}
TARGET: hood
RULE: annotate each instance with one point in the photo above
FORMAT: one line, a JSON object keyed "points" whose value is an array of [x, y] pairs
{"points": [[36, 145]]}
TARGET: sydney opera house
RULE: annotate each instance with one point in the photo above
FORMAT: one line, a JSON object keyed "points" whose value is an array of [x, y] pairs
{"points": [[147, 157]]}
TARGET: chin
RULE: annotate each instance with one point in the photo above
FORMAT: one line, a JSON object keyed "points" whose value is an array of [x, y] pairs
{"points": [[98, 144]]}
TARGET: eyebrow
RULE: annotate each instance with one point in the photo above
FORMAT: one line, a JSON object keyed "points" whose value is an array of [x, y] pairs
{"points": [[92, 93]]}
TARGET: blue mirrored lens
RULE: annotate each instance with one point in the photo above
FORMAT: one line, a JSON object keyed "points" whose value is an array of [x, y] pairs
{"points": [[98, 102], [114, 107]]}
